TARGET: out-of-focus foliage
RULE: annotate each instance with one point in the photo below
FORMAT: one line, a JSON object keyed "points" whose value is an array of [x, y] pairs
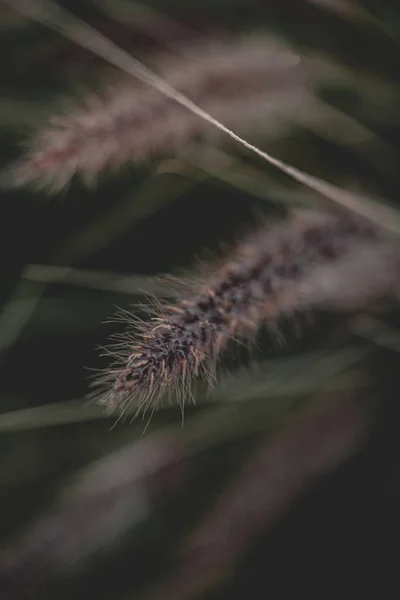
{"points": [[284, 480]]}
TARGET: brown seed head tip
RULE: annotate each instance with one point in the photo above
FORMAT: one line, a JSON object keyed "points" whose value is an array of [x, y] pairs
{"points": [[165, 361]]}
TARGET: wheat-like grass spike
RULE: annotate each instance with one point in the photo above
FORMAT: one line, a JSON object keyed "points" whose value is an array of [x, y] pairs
{"points": [[309, 261]]}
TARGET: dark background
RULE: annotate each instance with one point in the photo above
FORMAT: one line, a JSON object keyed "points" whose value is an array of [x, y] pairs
{"points": [[340, 537]]}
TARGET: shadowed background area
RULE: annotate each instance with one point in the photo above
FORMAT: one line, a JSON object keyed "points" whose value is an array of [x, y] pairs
{"points": [[284, 478]]}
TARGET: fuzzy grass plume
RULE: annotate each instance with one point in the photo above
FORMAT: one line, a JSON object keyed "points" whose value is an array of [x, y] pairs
{"points": [[310, 261], [253, 83]]}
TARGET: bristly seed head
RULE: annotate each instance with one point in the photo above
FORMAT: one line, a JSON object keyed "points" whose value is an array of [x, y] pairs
{"points": [[312, 260], [245, 81]]}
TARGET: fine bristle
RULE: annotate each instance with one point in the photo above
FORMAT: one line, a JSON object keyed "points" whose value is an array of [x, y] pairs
{"points": [[312, 260]]}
